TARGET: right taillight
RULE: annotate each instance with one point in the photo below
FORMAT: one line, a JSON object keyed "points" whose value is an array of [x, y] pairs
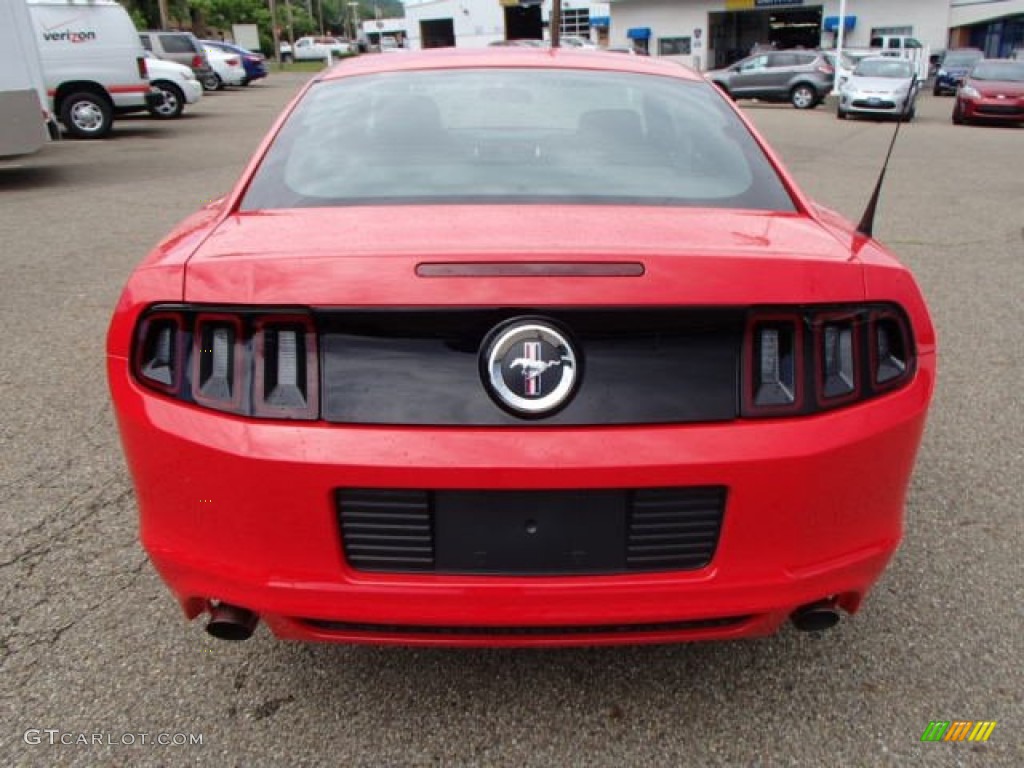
{"points": [[798, 362], [197, 61], [774, 372], [891, 356]]}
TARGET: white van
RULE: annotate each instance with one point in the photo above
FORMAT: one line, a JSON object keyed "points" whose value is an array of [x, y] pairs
{"points": [[94, 65], [23, 117]]}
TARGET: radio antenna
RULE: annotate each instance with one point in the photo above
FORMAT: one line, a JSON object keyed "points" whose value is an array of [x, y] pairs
{"points": [[867, 221]]}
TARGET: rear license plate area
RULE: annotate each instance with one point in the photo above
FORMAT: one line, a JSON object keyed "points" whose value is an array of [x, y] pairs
{"points": [[530, 532]]}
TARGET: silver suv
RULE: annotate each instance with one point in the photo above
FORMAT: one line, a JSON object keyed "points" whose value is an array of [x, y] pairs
{"points": [[183, 48], [802, 78]]}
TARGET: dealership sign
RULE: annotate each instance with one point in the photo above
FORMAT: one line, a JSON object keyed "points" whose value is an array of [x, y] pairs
{"points": [[742, 5]]}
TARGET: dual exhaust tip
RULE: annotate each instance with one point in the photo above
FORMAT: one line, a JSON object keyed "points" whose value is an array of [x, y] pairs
{"points": [[231, 622]]}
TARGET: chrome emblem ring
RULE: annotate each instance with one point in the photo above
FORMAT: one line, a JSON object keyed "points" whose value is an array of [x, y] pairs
{"points": [[530, 367]]}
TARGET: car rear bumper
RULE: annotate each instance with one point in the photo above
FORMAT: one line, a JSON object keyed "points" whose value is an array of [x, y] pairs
{"points": [[243, 512]]}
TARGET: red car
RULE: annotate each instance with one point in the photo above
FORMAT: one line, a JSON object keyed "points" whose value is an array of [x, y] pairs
{"points": [[993, 91], [519, 347]]}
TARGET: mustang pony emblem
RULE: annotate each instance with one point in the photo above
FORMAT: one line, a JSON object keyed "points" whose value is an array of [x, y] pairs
{"points": [[533, 368], [517, 362]]}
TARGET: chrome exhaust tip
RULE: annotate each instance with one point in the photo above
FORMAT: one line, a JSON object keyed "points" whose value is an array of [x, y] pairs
{"points": [[229, 622], [816, 617]]}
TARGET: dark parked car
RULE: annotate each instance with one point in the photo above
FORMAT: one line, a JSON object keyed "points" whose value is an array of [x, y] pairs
{"points": [[802, 78], [255, 64], [953, 68], [994, 90], [183, 48]]}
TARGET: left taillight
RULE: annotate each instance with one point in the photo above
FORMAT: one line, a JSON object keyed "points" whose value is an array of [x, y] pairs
{"points": [[143, 68], [158, 358], [250, 362]]}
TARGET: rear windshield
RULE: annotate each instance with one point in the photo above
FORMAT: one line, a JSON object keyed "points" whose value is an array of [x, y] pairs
{"points": [[515, 136], [999, 70]]}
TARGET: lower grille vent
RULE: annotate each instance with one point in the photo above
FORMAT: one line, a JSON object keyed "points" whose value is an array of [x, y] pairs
{"points": [[387, 530], [673, 529]]}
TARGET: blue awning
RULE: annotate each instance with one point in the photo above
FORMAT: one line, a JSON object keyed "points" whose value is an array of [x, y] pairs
{"points": [[639, 33], [831, 23], [600, 22]]}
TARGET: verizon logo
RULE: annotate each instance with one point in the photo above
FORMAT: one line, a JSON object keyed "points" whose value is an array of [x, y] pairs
{"points": [[70, 37]]}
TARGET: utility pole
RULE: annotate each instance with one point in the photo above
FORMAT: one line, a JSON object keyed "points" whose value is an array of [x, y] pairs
{"points": [[162, 6], [840, 37], [556, 23], [274, 34]]}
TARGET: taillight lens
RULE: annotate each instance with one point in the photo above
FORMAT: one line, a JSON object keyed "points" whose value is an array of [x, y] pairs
{"points": [[891, 358], [197, 62], [158, 355], [232, 62], [286, 354], [837, 346], [217, 362], [143, 69], [775, 365], [249, 362], [821, 358]]}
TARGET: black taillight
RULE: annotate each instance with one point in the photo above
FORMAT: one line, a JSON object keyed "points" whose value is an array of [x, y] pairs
{"points": [[158, 356], [891, 359], [774, 371], [251, 362], [819, 358], [837, 357], [217, 369], [287, 379]]}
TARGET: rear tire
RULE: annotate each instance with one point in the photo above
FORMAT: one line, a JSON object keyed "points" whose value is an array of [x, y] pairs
{"points": [[86, 115], [842, 114], [210, 82], [958, 117], [803, 97], [174, 101]]}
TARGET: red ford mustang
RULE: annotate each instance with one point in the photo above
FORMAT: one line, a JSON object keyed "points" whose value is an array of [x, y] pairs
{"points": [[518, 347]]}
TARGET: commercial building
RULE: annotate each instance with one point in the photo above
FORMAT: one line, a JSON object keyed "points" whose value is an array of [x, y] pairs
{"points": [[477, 23], [707, 34]]}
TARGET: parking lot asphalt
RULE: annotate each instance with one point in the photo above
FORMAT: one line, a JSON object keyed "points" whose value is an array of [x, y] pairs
{"points": [[92, 642]]}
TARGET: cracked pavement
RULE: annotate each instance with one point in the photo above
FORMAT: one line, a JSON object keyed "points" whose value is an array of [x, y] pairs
{"points": [[92, 642]]}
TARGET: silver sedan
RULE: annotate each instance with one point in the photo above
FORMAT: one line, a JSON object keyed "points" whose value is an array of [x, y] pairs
{"points": [[880, 86]]}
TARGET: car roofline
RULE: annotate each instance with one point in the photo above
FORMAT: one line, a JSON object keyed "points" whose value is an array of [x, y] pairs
{"points": [[508, 57]]}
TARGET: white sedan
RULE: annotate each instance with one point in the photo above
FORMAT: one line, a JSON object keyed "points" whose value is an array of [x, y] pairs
{"points": [[319, 48], [880, 86], [178, 84], [227, 68]]}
